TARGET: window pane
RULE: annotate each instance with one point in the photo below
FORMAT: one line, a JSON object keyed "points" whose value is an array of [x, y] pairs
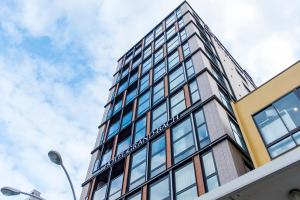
{"points": [[106, 157], [137, 196], [158, 92], [195, 96], [171, 32], [172, 44], [144, 82], [100, 193], [115, 187], [117, 107], [158, 55], [183, 140], [158, 30], [159, 116], [123, 145], [144, 103], [281, 147], [297, 137], [185, 178], [130, 96], [158, 156], [208, 164], [147, 52], [159, 41], [270, 125], [126, 119], [225, 100], [177, 103], [173, 60], [146, 65], [113, 129], [159, 71], [176, 78], [140, 129], [183, 35], [160, 190], [170, 20], [237, 135], [289, 109], [138, 168], [186, 49], [212, 183], [189, 68]]}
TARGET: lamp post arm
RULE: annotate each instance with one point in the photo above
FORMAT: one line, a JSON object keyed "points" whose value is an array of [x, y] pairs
{"points": [[69, 179], [31, 195]]}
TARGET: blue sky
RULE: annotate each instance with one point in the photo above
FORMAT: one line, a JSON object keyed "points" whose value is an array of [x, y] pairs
{"points": [[57, 58]]}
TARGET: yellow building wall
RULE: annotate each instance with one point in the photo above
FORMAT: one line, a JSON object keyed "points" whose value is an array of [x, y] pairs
{"points": [[263, 96]]}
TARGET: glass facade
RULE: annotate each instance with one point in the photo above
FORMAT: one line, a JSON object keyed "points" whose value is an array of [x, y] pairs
{"points": [[158, 82], [279, 124]]}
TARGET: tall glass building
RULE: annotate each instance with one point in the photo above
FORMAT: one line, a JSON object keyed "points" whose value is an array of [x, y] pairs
{"points": [[168, 130]]}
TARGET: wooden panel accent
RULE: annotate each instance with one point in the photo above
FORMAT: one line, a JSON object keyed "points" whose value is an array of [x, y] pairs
{"points": [[144, 193], [106, 130], [139, 70], [151, 77], [168, 148], [124, 98], [199, 177], [134, 109], [180, 54], [114, 150], [187, 96], [148, 129], [166, 86], [126, 172], [91, 189], [176, 27]]}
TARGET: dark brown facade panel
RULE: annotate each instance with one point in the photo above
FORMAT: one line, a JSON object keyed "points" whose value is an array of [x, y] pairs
{"points": [[144, 192], [91, 188], [148, 129], [126, 172], [114, 150], [134, 109], [187, 96], [168, 148], [166, 86], [180, 54], [199, 177]]}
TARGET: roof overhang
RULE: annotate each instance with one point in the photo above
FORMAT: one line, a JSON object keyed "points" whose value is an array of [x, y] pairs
{"points": [[272, 181]]}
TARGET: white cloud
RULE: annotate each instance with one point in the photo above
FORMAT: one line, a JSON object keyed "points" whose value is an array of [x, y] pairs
{"points": [[46, 104]]}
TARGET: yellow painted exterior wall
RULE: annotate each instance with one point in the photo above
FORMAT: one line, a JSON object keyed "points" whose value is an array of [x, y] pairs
{"points": [[255, 101]]}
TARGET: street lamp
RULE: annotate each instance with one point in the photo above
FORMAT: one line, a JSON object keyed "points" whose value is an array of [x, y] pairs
{"points": [[55, 157], [9, 191]]}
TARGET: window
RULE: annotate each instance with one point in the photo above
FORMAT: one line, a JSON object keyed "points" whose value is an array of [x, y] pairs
{"points": [[189, 68], [186, 49], [130, 96], [180, 23], [178, 12], [185, 183], [279, 122], [237, 134], [177, 103], [172, 44], [158, 30], [122, 87], [210, 172], [158, 156], [159, 41], [171, 31], [159, 70], [100, 193], [138, 50], [144, 103], [136, 196], [125, 72], [126, 119], [170, 20], [176, 78], [160, 190], [183, 140], [158, 92], [117, 107], [201, 129], [116, 187], [106, 157], [123, 145], [158, 55], [128, 57], [133, 78], [136, 62], [113, 129], [146, 65], [147, 52], [173, 60], [138, 168], [148, 39], [144, 82], [195, 96], [183, 35], [140, 129], [225, 100], [159, 116]]}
